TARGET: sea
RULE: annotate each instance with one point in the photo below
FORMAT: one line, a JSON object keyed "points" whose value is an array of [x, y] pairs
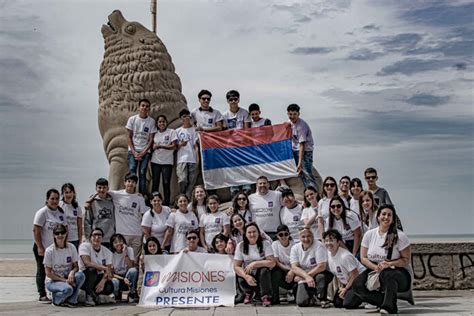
{"points": [[21, 249]]}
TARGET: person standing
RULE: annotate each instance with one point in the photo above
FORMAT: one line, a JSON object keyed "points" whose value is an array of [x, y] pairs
{"points": [[303, 146], [73, 214], [344, 184], [236, 118], [380, 194], [257, 120], [43, 224], [141, 130], [206, 118]]}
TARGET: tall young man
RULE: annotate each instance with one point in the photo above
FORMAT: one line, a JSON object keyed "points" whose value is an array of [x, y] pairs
{"points": [[380, 194], [141, 130], [206, 118]]}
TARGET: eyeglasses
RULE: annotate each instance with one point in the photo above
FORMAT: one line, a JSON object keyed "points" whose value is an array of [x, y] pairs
{"points": [[60, 233], [336, 206], [233, 99], [192, 238], [332, 185], [97, 235], [206, 99], [284, 234], [371, 177]]}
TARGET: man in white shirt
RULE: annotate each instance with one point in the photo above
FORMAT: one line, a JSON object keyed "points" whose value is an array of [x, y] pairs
{"points": [[236, 118], [206, 118], [265, 206], [141, 130]]}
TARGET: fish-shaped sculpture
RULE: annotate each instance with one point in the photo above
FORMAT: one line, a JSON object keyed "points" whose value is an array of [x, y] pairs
{"points": [[136, 65]]}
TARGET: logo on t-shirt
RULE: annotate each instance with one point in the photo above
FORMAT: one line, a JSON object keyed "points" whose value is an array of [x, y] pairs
{"points": [[61, 217], [209, 121], [134, 204], [167, 138], [192, 222], [68, 259], [218, 220], [347, 227], [338, 269], [146, 129], [296, 218], [74, 212], [152, 278], [103, 262], [270, 204], [232, 123], [312, 260]]}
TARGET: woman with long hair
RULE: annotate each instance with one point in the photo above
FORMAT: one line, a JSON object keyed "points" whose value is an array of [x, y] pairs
{"points": [[310, 215], [124, 270], [368, 210], [151, 247], [62, 271], [43, 224], [385, 250], [253, 261], [329, 191], [198, 201], [219, 244], [240, 204], [356, 189], [154, 220], [73, 213], [213, 223]]}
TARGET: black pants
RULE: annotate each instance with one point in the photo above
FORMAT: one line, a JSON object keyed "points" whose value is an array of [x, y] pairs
{"points": [[350, 301], [391, 282], [264, 282], [40, 272], [165, 170], [278, 281], [92, 279], [305, 293]]}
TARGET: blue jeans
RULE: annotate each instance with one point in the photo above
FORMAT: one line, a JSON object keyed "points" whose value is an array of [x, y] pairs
{"points": [[306, 168], [119, 285], [133, 164], [63, 291]]}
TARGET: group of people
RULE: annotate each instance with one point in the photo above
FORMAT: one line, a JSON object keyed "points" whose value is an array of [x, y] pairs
{"points": [[152, 143], [346, 235]]}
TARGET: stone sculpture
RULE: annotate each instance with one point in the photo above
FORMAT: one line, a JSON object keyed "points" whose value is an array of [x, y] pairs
{"points": [[136, 65]]}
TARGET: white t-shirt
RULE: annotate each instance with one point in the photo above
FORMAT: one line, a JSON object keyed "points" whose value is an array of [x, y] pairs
{"points": [[266, 210], [141, 129], [236, 120], [323, 207], [292, 219], [102, 257], [71, 216], [213, 224], [201, 209], [342, 264], [187, 154], [347, 230], [206, 119], [129, 208], [310, 258], [118, 261], [247, 215], [282, 253], [259, 123], [308, 213], [354, 205], [163, 156], [157, 223], [373, 242], [60, 260], [46, 219], [253, 254], [181, 223]]}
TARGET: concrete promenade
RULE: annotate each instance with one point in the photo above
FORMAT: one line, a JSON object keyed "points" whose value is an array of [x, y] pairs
{"points": [[18, 297]]}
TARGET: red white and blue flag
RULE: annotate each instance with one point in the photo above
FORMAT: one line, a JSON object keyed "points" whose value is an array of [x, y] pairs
{"points": [[237, 157]]}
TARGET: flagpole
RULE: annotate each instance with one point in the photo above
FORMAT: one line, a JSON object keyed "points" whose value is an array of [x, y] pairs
{"points": [[153, 15]]}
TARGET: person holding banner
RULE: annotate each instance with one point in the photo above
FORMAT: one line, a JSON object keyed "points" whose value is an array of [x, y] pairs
{"points": [[253, 261], [309, 262], [179, 224], [213, 223]]}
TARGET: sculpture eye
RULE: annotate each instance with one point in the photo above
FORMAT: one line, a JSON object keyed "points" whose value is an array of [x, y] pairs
{"points": [[130, 29]]}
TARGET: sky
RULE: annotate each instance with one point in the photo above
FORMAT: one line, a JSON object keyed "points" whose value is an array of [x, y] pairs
{"points": [[384, 84]]}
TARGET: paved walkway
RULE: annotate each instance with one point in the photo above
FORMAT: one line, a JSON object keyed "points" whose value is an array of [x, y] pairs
{"points": [[18, 297]]}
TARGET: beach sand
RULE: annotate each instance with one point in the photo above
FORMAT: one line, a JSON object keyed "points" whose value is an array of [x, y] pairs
{"points": [[17, 268]]}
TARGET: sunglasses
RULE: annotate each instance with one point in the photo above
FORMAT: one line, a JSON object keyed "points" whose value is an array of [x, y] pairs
{"points": [[284, 234], [97, 235], [192, 238], [206, 99], [233, 99], [60, 233], [371, 178], [336, 206], [330, 185]]}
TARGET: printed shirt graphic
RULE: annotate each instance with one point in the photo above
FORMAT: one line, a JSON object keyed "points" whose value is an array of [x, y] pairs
{"points": [[236, 120], [71, 216], [343, 263], [181, 223], [102, 257], [141, 129], [308, 259], [374, 244], [163, 156], [46, 219], [60, 260], [187, 153], [266, 210], [292, 219], [129, 208], [213, 224]]}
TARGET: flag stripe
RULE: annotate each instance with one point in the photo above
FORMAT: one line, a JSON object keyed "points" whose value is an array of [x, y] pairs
{"points": [[245, 137], [216, 158]]}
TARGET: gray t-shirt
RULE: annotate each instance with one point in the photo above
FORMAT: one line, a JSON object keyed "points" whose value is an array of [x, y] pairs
{"points": [[301, 134]]}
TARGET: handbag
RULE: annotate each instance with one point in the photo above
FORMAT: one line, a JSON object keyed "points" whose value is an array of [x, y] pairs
{"points": [[373, 282]]}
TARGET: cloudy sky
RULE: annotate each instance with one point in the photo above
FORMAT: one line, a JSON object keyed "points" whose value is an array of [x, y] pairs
{"points": [[386, 84]]}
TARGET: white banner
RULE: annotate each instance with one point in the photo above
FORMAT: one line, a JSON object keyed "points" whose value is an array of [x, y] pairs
{"points": [[188, 279]]}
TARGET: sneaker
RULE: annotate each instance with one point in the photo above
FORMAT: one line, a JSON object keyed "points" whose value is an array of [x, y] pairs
{"points": [[266, 301], [44, 299], [105, 299], [69, 304], [290, 298], [369, 306], [247, 299], [89, 301], [384, 311]]}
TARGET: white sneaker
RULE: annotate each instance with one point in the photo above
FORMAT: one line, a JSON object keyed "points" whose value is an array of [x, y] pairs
{"points": [[369, 306], [384, 311], [105, 299], [89, 301]]}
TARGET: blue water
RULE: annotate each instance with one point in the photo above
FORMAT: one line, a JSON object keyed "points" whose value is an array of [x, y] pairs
{"points": [[15, 249]]}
